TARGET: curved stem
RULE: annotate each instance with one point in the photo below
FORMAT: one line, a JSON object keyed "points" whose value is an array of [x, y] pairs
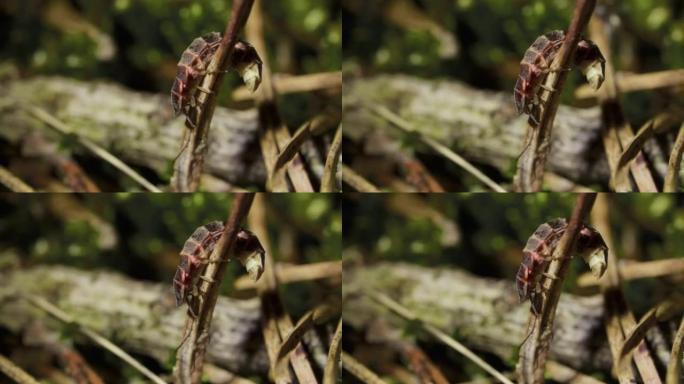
{"points": [[535, 350], [532, 162]]}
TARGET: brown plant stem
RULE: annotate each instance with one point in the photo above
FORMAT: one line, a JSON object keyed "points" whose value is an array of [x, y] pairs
{"points": [[188, 166], [532, 162], [328, 183], [191, 355], [534, 352]]}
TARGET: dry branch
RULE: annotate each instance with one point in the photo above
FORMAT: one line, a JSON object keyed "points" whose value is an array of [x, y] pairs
{"points": [[534, 352], [190, 162], [630, 82], [191, 355], [532, 162], [285, 84]]}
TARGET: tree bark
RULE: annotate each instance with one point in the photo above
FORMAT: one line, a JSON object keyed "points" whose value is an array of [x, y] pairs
{"points": [[484, 313], [140, 317], [138, 127], [481, 125]]}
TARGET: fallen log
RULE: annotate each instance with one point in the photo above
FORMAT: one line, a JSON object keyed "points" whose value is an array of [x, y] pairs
{"points": [[139, 127], [480, 125], [140, 317], [483, 313]]}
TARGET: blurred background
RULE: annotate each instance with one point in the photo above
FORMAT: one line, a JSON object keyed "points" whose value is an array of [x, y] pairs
{"points": [[452, 259], [140, 236], [135, 46], [424, 60]]}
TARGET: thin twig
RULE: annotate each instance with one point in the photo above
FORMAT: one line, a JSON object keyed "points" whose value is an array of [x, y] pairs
{"points": [[96, 337], [630, 82], [357, 181], [14, 372], [12, 182], [672, 177], [435, 145], [328, 181], [191, 355], [534, 352], [437, 333], [287, 273], [532, 162], [188, 165], [635, 270], [359, 370], [285, 84], [331, 373], [90, 145]]}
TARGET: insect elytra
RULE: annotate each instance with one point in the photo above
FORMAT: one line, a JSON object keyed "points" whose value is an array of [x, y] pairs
{"points": [[536, 64], [538, 253], [192, 67], [194, 258]]}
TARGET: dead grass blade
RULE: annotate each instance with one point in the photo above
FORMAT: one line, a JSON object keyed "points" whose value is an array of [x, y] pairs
{"points": [[357, 181], [14, 372], [436, 146], [99, 151], [661, 312], [60, 315], [13, 183], [675, 364], [275, 320], [275, 135], [564, 374], [291, 148], [621, 173], [617, 132], [331, 373], [619, 319], [315, 316], [359, 370], [437, 333], [328, 181], [672, 177]]}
